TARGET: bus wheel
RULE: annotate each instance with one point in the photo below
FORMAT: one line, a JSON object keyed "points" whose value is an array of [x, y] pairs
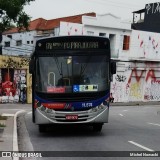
{"points": [[42, 128], [97, 127]]}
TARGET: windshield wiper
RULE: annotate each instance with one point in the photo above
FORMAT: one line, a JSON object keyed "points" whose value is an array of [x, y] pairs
{"points": [[60, 70], [58, 66], [83, 68]]}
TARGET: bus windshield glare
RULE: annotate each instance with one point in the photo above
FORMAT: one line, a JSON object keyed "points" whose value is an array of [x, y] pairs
{"points": [[72, 74]]}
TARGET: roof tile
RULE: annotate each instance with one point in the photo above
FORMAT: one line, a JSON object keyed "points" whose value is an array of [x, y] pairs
{"points": [[43, 24]]}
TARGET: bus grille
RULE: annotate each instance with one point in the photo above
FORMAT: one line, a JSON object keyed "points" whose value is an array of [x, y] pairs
{"points": [[60, 116], [82, 116]]}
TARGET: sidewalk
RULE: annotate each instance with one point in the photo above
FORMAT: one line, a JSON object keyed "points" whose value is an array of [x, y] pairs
{"points": [[8, 135], [140, 103]]}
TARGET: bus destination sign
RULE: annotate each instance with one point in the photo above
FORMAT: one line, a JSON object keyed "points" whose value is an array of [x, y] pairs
{"points": [[48, 46], [72, 45]]}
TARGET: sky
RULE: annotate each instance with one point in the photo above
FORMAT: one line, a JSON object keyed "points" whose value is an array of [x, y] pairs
{"points": [[51, 9]]}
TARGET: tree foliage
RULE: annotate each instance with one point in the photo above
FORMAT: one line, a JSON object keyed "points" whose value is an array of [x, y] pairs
{"points": [[11, 12]]}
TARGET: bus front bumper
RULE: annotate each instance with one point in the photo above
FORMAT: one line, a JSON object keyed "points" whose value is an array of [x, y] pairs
{"points": [[49, 116]]}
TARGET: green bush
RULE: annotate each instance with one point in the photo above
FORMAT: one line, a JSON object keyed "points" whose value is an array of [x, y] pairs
{"points": [[2, 125], [3, 117]]}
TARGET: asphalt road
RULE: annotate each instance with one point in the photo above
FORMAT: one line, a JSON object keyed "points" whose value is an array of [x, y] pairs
{"points": [[130, 128]]}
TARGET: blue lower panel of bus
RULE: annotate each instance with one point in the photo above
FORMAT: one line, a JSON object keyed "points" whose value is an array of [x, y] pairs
{"points": [[73, 106]]}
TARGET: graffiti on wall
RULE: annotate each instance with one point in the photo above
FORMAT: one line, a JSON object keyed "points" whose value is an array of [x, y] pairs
{"points": [[67, 28], [140, 82], [116, 89], [152, 46], [152, 8], [152, 91], [136, 88], [135, 91], [134, 85], [12, 83], [145, 45], [13, 79], [120, 78], [155, 90]]}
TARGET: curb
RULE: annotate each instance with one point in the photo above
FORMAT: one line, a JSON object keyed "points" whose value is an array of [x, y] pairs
{"points": [[134, 103], [15, 139]]}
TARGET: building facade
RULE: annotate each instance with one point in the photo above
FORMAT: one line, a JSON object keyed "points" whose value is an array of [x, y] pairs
{"points": [[136, 51], [138, 78]]}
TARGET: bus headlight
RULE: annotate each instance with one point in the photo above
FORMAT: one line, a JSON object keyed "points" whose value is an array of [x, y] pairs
{"points": [[42, 108], [38, 104], [48, 110], [101, 107], [98, 108], [95, 109]]}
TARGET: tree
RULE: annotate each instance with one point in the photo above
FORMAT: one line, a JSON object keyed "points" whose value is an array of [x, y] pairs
{"points": [[11, 12]]}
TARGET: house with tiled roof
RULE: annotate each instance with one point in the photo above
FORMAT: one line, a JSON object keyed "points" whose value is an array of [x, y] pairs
{"points": [[137, 51], [107, 25], [22, 42]]}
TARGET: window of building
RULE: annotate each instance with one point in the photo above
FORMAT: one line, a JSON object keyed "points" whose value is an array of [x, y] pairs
{"points": [[126, 41], [31, 42], [9, 36], [90, 33], [7, 44], [19, 43], [102, 34], [28, 42]]}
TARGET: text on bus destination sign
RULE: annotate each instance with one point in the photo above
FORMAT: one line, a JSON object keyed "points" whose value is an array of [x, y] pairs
{"points": [[72, 45]]}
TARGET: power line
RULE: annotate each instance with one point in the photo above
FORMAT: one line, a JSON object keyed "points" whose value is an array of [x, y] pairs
{"points": [[111, 4], [121, 3]]}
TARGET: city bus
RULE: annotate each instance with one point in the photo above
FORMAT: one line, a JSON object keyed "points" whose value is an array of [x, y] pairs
{"points": [[71, 78]]}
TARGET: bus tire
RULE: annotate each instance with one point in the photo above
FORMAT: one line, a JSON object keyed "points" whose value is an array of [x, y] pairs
{"points": [[97, 127], [42, 128]]}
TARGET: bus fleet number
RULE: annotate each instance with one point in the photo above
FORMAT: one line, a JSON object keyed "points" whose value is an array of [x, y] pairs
{"points": [[87, 105]]}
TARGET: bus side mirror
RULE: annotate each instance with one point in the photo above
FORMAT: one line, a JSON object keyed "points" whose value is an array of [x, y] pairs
{"points": [[31, 66], [113, 67]]}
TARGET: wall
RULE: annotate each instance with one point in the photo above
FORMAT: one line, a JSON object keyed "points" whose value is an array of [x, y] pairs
{"points": [[25, 49], [145, 45], [67, 28], [139, 80], [110, 25]]}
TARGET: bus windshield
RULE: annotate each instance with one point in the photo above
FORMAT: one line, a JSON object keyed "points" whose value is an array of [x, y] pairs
{"points": [[72, 74]]}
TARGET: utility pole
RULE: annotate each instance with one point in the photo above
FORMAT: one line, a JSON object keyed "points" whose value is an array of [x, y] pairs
{"points": [[1, 13], [0, 43]]}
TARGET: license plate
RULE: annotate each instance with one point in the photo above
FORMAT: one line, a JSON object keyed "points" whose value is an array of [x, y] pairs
{"points": [[71, 117]]}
